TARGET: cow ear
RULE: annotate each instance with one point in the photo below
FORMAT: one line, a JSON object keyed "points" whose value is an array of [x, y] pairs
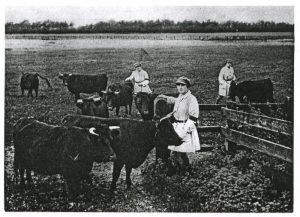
{"points": [[70, 74], [117, 92], [115, 131], [97, 101], [79, 103], [60, 75]]}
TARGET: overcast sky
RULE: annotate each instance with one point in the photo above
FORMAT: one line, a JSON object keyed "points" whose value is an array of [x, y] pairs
{"points": [[81, 15]]}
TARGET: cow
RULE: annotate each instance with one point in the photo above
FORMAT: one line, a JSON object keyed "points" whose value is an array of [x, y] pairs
{"points": [[259, 91], [133, 142], [70, 151], [77, 83], [93, 106], [118, 95], [151, 106], [30, 81]]}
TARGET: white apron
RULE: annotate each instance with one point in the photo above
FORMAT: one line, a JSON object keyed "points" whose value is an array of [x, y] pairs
{"points": [[191, 141], [224, 88]]}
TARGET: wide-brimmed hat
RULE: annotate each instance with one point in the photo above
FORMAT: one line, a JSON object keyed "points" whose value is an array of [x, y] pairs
{"points": [[183, 80], [229, 61], [137, 65]]}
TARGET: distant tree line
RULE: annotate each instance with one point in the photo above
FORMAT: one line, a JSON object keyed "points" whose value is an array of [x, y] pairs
{"points": [[158, 26]]}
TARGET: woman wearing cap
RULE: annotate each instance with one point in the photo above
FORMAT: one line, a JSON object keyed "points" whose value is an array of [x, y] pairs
{"points": [[185, 117], [140, 79], [226, 76]]}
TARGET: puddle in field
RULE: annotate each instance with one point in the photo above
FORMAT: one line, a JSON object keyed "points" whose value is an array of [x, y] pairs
{"points": [[66, 44]]}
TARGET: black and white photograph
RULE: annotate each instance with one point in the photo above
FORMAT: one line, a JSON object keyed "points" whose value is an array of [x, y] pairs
{"points": [[149, 108]]}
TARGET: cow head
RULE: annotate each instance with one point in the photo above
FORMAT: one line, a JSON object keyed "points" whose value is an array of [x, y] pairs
{"points": [[142, 102], [104, 135], [65, 78], [112, 97], [161, 108], [232, 91], [94, 106], [165, 133]]}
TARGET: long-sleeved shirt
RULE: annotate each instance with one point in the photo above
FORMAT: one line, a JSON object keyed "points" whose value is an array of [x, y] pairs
{"points": [[225, 77], [185, 106], [141, 80]]}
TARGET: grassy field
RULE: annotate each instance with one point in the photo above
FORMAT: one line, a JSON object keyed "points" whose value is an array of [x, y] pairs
{"points": [[199, 62]]}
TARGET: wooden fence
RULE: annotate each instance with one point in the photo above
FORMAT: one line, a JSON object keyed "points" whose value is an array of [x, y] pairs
{"points": [[258, 122], [235, 116]]}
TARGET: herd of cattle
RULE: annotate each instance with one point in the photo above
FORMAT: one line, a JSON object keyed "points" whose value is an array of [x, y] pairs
{"points": [[71, 149]]}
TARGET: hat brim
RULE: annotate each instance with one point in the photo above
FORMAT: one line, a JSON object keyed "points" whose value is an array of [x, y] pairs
{"points": [[180, 82]]}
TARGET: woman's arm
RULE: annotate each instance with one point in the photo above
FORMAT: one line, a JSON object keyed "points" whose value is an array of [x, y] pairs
{"points": [[131, 77], [170, 99]]}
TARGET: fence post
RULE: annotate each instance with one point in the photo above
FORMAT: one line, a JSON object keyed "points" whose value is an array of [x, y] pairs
{"points": [[289, 108], [230, 146]]}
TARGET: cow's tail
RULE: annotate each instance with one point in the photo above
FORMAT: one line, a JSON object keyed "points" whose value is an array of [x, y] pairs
{"points": [[46, 79]]}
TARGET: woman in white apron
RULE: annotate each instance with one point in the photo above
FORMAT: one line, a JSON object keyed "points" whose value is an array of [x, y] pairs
{"points": [[185, 117], [226, 76], [140, 79]]}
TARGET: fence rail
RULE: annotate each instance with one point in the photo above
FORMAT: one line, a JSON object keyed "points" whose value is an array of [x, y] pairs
{"points": [[261, 145], [265, 122]]}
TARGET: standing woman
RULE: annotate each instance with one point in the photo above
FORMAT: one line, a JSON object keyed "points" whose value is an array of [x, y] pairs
{"points": [[185, 117], [140, 79], [226, 76]]}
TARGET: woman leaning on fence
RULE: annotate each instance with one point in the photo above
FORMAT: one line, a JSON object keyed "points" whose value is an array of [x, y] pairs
{"points": [[185, 116]]}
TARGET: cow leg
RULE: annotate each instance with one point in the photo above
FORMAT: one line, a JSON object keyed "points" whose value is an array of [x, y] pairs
{"points": [[126, 110], [28, 176], [22, 91], [36, 92], [130, 105], [29, 93], [128, 180], [22, 180], [117, 110], [73, 187], [116, 173]]}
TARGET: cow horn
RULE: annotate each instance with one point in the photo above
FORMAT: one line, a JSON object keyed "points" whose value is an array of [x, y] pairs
{"points": [[76, 157], [97, 99], [79, 101], [61, 75], [92, 131], [70, 74], [114, 127], [167, 116], [103, 91], [117, 92]]}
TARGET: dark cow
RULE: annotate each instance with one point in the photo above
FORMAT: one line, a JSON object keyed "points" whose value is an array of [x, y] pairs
{"points": [[149, 106], [259, 91], [49, 149], [135, 140], [30, 82], [118, 95], [77, 83], [93, 106]]}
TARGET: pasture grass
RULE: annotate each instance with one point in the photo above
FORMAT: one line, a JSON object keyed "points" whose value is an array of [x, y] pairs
{"points": [[200, 63]]}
